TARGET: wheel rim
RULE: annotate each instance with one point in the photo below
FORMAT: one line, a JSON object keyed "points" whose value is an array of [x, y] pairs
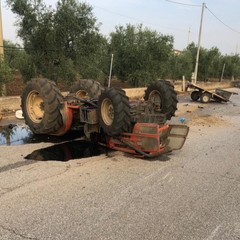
{"points": [[205, 98], [35, 106], [156, 101], [107, 111], [82, 94]]}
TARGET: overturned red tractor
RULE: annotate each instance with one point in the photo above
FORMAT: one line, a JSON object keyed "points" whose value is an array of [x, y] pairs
{"points": [[106, 115]]}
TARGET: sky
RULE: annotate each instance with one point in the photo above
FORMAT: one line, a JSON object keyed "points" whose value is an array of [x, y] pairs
{"points": [[221, 21]]}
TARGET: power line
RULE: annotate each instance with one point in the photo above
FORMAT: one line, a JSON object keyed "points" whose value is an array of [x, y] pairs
{"points": [[136, 19], [194, 5], [232, 29], [116, 13], [9, 48], [185, 4], [12, 48]]}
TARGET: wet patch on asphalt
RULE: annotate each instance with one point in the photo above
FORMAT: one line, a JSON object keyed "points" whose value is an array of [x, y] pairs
{"points": [[14, 134], [66, 151]]}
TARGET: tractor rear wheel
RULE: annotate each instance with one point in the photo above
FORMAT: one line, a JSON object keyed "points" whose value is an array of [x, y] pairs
{"points": [[41, 102], [114, 112], [86, 88], [162, 97]]}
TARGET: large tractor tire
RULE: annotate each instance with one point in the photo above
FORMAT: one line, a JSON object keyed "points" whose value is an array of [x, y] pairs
{"points": [[41, 103], [86, 88], [162, 98], [114, 112]]}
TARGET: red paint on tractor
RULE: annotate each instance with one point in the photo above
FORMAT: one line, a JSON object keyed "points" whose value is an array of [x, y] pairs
{"points": [[145, 140]]}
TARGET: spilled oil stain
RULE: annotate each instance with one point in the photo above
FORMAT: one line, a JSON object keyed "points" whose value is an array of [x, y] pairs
{"points": [[14, 134], [66, 151]]}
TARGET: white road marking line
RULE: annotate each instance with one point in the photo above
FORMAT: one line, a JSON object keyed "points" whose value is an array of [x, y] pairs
{"points": [[213, 234], [170, 179], [166, 175]]}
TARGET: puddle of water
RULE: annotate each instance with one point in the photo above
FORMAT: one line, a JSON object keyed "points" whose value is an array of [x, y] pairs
{"points": [[66, 151], [14, 134], [17, 135]]}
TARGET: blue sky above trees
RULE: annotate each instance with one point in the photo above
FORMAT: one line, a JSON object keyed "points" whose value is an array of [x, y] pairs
{"points": [[163, 16]]}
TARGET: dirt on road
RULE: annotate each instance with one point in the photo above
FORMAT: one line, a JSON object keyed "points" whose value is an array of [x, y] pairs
{"points": [[193, 112]]}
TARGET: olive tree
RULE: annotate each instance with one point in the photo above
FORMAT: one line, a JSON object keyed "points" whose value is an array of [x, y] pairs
{"points": [[62, 42], [140, 54]]}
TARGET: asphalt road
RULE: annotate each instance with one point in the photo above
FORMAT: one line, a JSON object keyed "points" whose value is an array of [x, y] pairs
{"points": [[189, 194]]}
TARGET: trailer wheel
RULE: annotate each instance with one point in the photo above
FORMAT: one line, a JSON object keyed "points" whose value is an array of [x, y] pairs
{"points": [[41, 102], [205, 97], [86, 88], [162, 97], [195, 95], [114, 112]]}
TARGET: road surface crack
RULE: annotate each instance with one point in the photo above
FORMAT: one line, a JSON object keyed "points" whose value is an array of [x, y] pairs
{"points": [[11, 189], [15, 165], [17, 234]]}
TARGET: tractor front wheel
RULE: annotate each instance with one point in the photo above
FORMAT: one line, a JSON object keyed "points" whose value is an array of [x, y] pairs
{"points": [[114, 112]]}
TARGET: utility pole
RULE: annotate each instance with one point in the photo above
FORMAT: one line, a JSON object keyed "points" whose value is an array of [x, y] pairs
{"points": [[222, 72], [3, 86], [1, 33], [189, 32], [199, 44], [110, 72]]}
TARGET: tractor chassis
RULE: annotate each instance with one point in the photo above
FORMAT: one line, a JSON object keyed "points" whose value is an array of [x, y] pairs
{"points": [[146, 139]]}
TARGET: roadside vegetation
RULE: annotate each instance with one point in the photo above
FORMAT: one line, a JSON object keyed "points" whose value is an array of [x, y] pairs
{"points": [[64, 44]]}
